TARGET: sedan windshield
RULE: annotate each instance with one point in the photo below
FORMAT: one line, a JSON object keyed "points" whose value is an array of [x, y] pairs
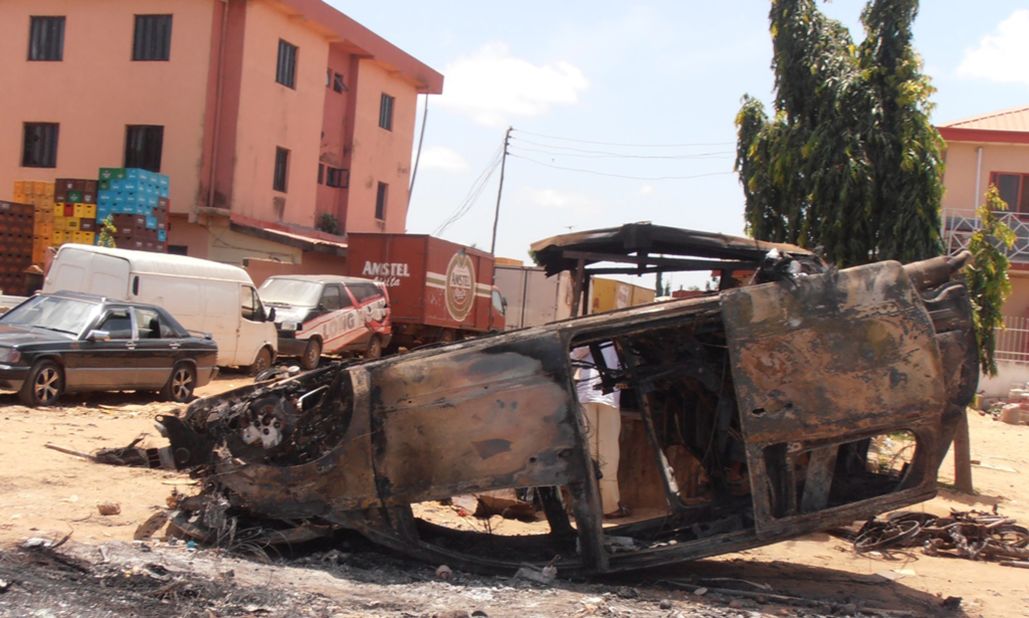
{"points": [[290, 292], [64, 315]]}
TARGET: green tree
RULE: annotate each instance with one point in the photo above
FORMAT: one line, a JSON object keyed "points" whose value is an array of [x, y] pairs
{"points": [[987, 277], [107, 232], [850, 161]]}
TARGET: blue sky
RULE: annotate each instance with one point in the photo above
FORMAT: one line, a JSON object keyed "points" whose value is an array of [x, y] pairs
{"points": [[646, 90]]}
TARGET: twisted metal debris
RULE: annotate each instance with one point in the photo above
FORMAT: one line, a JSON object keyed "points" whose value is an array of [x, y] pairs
{"points": [[973, 535]]}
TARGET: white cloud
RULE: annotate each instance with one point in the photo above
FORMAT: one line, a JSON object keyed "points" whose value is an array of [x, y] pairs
{"points": [[1000, 55], [443, 159], [646, 189], [570, 201], [492, 86]]}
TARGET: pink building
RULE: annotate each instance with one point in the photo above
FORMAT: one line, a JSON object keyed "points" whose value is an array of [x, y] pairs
{"points": [[270, 116]]}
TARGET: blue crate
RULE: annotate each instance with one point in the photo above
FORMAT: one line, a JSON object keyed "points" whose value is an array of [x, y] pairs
{"points": [[151, 222], [162, 235]]}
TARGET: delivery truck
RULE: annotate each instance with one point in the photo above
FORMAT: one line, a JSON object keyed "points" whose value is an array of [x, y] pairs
{"points": [[438, 290]]}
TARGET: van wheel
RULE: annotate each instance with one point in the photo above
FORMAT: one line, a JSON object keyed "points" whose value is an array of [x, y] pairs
{"points": [[312, 354], [181, 383], [45, 383], [262, 362], [374, 348]]}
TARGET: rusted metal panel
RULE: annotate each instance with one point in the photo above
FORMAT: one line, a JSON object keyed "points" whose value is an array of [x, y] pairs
{"points": [[476, 420], [832, 354]]}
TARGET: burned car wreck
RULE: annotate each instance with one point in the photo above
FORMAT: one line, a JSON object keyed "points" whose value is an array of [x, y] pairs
{"points": [[748, 417]]}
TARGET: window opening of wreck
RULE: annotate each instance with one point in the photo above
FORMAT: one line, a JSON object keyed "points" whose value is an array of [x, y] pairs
{"points": [[658, 422], [807, 478]]}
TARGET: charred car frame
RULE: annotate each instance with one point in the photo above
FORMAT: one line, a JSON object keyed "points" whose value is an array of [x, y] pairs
{"points": [[750, 416]]}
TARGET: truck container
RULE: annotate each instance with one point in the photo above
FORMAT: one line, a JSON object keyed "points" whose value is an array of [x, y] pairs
{"points": [[439, 290], [611, 294], [532, 297]]}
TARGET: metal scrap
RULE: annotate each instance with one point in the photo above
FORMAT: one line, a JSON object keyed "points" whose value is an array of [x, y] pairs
{"points": [[972, 535]]}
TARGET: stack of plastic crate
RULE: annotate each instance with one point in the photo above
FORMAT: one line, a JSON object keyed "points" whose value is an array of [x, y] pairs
{"points": [[41, 195], [75, 211], [137, 202], [17, 223]]}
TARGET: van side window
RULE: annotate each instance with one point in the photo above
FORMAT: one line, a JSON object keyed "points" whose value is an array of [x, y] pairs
{"points": [[249, 304], [331, 298], [118, 324]]}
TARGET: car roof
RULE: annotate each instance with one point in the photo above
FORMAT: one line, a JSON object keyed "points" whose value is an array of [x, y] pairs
{"points": [[163, 263], [324, 279]]}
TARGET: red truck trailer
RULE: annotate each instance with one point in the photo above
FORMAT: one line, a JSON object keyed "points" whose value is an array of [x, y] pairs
{"points": [[438, 290]]}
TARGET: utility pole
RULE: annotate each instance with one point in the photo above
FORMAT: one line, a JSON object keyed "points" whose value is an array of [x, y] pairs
{"points": [[500, 189]]}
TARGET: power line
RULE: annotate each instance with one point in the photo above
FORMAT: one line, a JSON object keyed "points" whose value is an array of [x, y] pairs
{"points": [[596, 173], [584, 141], [478, 185], [601, 154]]}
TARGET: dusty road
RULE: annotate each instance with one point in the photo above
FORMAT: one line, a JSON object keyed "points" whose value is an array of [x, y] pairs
{"points": [[45, 493]]}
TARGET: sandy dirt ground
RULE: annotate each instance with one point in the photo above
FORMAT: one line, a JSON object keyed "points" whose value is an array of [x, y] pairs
{"points": [[47, 493]]}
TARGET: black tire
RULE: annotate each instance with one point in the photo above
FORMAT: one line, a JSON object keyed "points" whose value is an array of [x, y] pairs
{"points": [[374, 348], [180, 385], [312, 354], [262, 361], [44, 384]]}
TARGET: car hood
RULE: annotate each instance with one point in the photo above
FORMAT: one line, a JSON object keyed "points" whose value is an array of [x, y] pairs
{"points": [[290, 313], [16, 336]]}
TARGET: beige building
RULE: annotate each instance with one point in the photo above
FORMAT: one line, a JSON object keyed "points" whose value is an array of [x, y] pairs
{"points": [[994, 149]]}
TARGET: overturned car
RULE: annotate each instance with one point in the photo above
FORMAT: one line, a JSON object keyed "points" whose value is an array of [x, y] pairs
{"points": [[748, 416]]}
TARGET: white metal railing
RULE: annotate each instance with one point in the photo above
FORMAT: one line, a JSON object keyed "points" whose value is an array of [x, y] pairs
{"points": [[1013, 340], [958, 226]]}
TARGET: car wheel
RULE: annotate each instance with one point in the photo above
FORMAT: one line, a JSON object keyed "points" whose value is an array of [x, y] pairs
{"points": [[374, 348], [312, 354], [43, 386], [262, 362], [181, 384]]}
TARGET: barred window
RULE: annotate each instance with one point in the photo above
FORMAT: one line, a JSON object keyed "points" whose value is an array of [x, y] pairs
{"points": [[286, 68], [386, 112], [39, 144], [152, 40], [46, 38], [381, 195], [281, 169], [143, 146]]}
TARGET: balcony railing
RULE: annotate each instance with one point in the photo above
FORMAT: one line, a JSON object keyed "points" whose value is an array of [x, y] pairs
{"points": [[958, 226], [1013, 340]]}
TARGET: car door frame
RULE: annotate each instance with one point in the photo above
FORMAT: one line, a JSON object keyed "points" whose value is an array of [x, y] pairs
{"points": [[103, 364]]}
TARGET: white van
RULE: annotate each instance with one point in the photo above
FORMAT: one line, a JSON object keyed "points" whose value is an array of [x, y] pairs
{"points": [[205, 296]]}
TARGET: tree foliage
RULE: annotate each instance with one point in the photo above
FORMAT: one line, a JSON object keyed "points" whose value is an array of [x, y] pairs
{"points": [[849, 161], [987, 277], [107, 232]]}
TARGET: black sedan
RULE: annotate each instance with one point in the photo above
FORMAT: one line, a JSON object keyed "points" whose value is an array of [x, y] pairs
{"points": [[64, 342]]}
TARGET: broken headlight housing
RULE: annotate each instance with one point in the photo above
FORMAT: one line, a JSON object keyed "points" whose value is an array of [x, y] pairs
{"points": [[9, 355]]}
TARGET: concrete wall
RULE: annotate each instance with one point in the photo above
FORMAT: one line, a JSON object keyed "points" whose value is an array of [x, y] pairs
{"points": [[272, 115], [379, 155], [311, 264], [98, 89], [959, 176]]}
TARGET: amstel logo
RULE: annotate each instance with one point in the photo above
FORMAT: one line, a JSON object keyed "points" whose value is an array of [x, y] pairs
{"points": [[460, 292]]}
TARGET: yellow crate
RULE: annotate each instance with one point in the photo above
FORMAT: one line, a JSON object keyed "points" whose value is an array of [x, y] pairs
{"points": [[85, 238], [43, 188], [58, 237], [71, 224], [21, 198], [85, 211], [19, 187]]}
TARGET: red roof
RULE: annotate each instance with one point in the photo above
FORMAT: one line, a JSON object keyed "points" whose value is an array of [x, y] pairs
{"points": [[1005, 126]]}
